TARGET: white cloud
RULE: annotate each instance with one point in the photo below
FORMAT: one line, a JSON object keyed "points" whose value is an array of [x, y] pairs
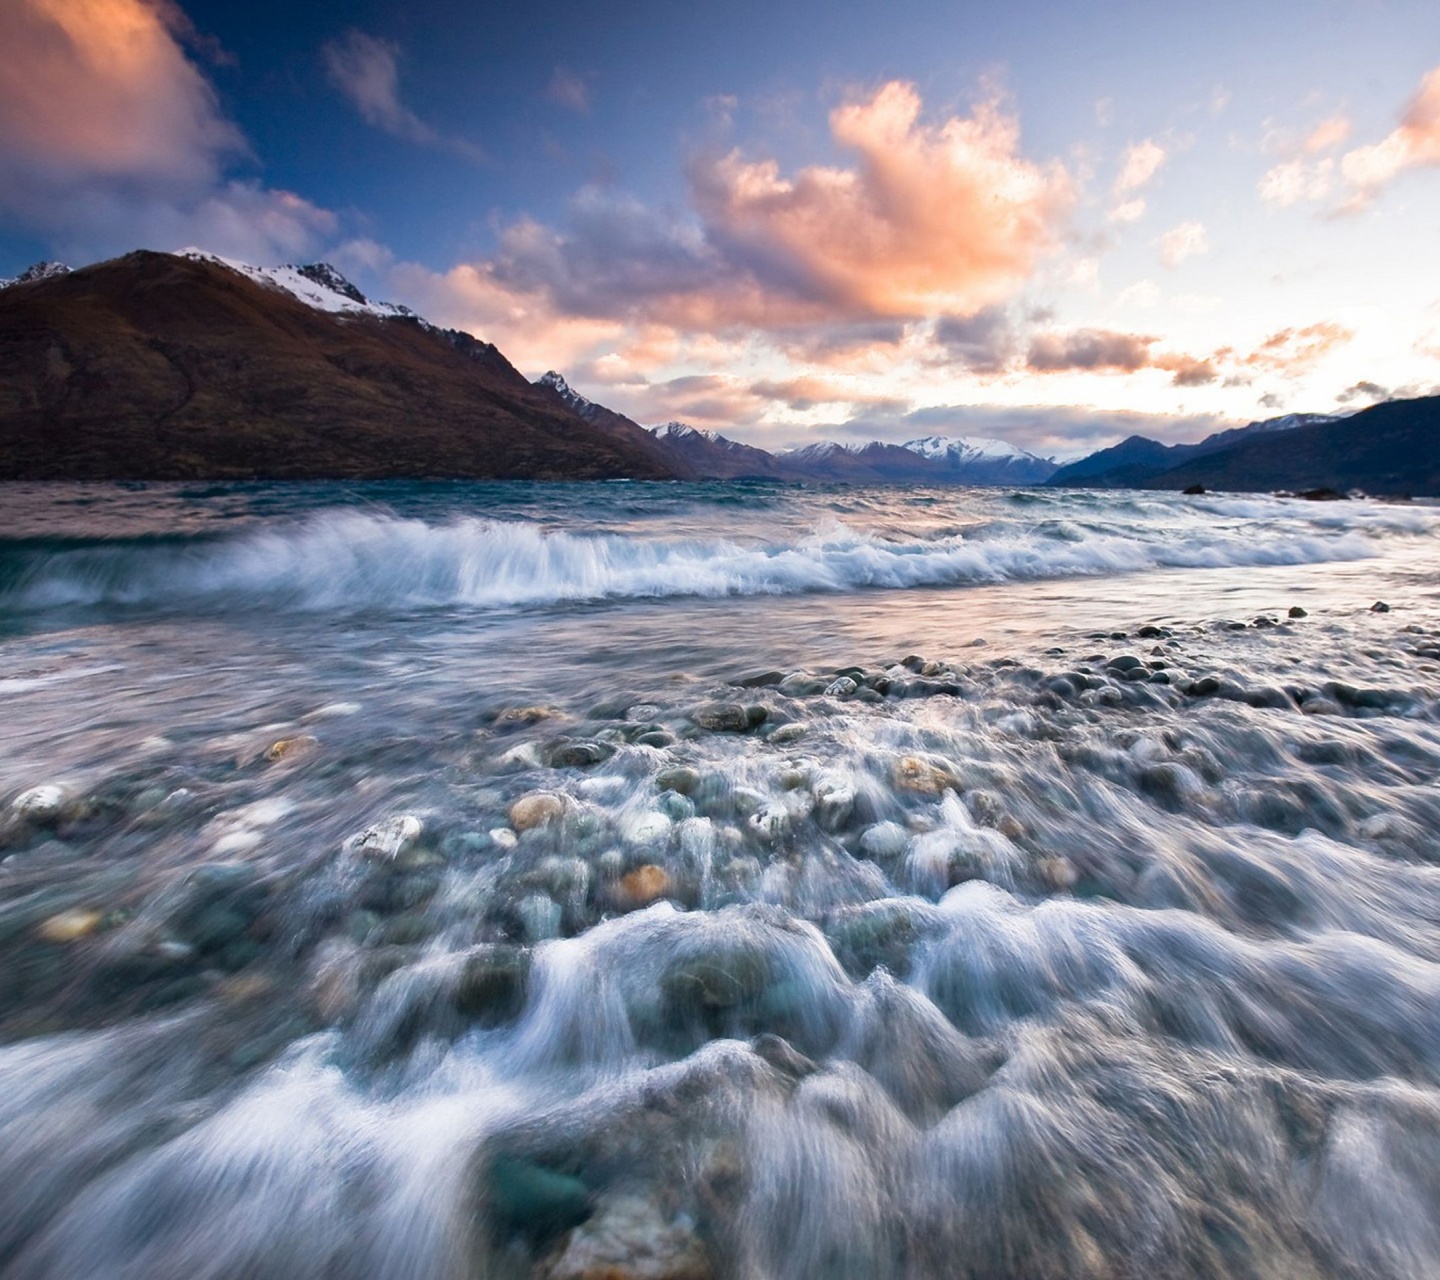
{"points": [[1188, 240]]}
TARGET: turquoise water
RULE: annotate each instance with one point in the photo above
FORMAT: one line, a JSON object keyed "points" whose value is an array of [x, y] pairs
{"points": [[732, 880]]}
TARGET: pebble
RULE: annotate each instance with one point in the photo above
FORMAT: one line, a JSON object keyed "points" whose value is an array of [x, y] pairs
{"points": [[923, 777], [884, 841], [1379, 607], [681, 778], [1295, 611], [537, 809], [503, 838], [296, 748], [841, 688], [70, 926], [390, 838], [644, 885], [40, 804], [721, 717]]}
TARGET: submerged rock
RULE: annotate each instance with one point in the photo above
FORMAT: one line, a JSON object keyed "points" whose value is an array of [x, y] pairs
{"points": [[41, 804], [922, 776], [721, 717], [628, 1237], [644, 885], [538, 809]]}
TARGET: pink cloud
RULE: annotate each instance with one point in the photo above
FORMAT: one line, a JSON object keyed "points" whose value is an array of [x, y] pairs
{"points": [[945, 217], [1413, 144], [110, 137]]}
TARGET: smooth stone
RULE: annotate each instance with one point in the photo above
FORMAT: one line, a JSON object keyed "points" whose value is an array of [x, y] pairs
{"points": [[537, 809], [920, 776], [296, 748], [680, 778], [841, 688], [721, 717], [834, 803], [884, 841], [771, 822], [579, 755], [70, 926], [390, 838], [789, 733], [1379, 607], [530, 1200], [676, 807], [647, 830], [491, 986], [1295, 611], [1124, 662], [515, 717], [644, 885], [40, 804], [658, 738], [801, 684], [503, 838], [758, 680]]}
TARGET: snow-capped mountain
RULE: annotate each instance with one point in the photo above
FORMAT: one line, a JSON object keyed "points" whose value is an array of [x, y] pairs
{"points": [[964, 447], [40, 271], [317, 284], [984, 460]]}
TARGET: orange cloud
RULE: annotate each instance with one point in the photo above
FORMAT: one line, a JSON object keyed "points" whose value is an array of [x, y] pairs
{"points": [[1295, 351], [103, 86], [1328, 134], [944, 217], [110, 137], [1142, 161], [1414, 144]]}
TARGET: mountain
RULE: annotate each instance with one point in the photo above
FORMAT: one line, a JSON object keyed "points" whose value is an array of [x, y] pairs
{"points": [[615, 425], [40, 271], [1390, 448], [711, 456], [1137, 460], [185, 366], [983, 461]]}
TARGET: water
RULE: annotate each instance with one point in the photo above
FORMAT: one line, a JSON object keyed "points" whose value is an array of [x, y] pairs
{"points": [[394, 883]]}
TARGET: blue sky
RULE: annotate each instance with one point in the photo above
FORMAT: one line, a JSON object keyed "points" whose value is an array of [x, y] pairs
{"points": [[1051, 223]]}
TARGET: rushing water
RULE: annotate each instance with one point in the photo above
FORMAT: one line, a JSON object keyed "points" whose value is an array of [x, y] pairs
{"points": [[686, 881]]}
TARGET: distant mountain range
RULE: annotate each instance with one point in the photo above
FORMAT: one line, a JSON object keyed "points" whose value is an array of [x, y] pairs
{"points": [[1388, 449], [705, 455], [189, 366]]}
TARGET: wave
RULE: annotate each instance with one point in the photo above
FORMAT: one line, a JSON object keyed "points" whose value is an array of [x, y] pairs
{"points": [[360, 560]]}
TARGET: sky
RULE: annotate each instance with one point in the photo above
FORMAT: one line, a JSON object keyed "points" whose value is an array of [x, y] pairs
{"points": [[1051, 223]]}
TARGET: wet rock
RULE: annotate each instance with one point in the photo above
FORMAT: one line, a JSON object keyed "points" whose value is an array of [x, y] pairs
{"points": [[1152, 632], [676, 807], [834, 803], [656, 738], [1205, 687], [580, 755], [40, 805], [801, 684], [884, 842], [789, 733], [1295, 611], [1058, 873], [758, 680], [519, 717], [492, 983], [1124, 662], [537, 809], [646, 884], [770, 823], [1379, 607], [390, 838], [841, 688], [920, 775], [1193, 490], [71, 926], [528, 1200], [629, 1238], [721, 717], [681, 779], [648, 830], [292, 749]]}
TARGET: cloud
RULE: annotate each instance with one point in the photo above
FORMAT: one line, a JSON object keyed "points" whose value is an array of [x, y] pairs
{"points": [[1089, 349], [110, 137], [931, 219], [566, 89], [366, 70], [1328, 134], [946, 217], [1294, 351], [1295, 180], [1414, 144], [983, 343], [1142, 161], [1130, 211], [1184, 241], [1364, 392]]}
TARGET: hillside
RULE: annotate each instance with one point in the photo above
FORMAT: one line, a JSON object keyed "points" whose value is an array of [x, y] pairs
{"points": [[164, 366]]}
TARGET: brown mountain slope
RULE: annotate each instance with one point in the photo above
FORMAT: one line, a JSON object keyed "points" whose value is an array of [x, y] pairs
{"points": [[153, 366]]}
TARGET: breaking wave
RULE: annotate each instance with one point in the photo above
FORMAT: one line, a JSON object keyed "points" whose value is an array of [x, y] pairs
{"points": [[355, 560]]}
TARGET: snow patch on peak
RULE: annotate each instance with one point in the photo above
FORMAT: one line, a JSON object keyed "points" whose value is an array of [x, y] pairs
{"points": [[39, 271], [680, 431], [556, 382], [964, 448], [316, 284]]}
